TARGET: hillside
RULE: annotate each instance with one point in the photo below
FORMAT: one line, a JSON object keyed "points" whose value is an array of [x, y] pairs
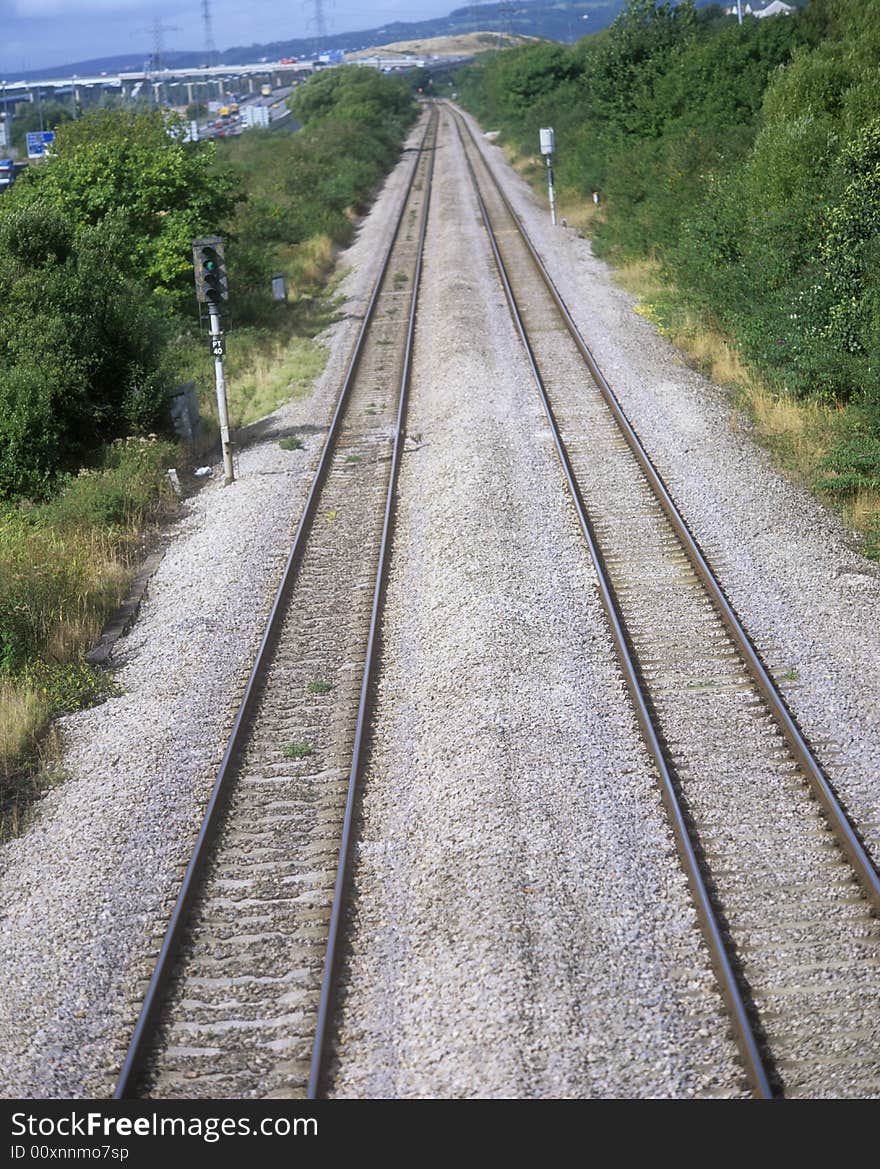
{"points": [[466, 44], [559, 20]]}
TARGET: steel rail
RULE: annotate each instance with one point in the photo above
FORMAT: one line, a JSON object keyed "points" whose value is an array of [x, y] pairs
{"points": [[836, 815], [337, 918], [755, 1065], [126, 1085]]}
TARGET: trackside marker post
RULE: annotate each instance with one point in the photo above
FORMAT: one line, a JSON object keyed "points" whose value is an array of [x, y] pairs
{"points": [[547, 150], [212, 288], [217, 348]]}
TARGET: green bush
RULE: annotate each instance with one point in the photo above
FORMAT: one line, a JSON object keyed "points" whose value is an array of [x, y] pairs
{"points": [[302, 185], [134, 167], [81, 348]]}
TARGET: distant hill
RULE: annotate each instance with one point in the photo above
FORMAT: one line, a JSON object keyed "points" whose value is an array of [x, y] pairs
{"points": [[464, 44], [558, 20]]}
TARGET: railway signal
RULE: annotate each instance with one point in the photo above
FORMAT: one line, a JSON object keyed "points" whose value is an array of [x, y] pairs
{"points": [[209, 261], [547, 144], [212, 289]]}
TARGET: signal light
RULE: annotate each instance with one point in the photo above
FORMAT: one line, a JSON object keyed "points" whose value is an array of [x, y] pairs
{"points": [[212, 285]]}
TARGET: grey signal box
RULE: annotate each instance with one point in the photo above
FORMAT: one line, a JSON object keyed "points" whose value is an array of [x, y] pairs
{"points": [[547, 140]]}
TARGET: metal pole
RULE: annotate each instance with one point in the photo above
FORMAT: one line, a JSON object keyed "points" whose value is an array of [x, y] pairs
{"points": [[739, 11], [222, 408], [550, 189]]}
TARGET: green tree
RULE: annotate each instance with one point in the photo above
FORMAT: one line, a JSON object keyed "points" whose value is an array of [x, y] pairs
{"points": [[353, 93], [134, 166], [81, 348], [620, 76]]}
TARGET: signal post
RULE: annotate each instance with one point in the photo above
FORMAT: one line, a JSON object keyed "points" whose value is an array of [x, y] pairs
{"points": [[547, 145], [212, 288]]}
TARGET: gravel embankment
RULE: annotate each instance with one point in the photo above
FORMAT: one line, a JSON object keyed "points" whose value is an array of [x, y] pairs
{"points": [[85, 893], [809, 599], [521, 925]]}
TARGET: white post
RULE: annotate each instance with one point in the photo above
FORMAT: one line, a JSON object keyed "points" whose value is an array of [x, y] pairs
{"points": [[548, 142], [739, 11], [222, 407], [551, 191]]}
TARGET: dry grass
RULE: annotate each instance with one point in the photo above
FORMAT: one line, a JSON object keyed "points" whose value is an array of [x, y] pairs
{"points": [[307, 265], [800, 434], [707, 349], [863, 512], [583, 215], [64, 567], [641, 278], [23, 711], [76, 632], [277, 375], [276, 369]]}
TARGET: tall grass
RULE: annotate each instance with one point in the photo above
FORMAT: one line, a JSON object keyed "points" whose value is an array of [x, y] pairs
{"points": [[65, 565], [801, 434]]}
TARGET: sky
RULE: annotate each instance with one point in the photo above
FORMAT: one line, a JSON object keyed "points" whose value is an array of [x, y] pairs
{"points": [[40, 33]]}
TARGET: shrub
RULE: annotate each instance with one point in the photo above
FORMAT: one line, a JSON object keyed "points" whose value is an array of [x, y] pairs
{"points": [[81, 348]]}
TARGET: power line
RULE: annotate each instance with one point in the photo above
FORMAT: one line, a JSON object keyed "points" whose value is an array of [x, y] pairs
{"points": [[158, 29], [319, 20], [210, 47]]}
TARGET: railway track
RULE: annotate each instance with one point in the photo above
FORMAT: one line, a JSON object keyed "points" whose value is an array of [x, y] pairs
{"points": [[785, 893], [242, 992]]}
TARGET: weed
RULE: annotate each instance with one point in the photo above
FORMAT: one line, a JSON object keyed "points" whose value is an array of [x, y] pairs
{"points": [[70, 686], [331, 516], [271, 373], [292, 443], [319, 687], [297, 750], [352, 458], [400, 279]]}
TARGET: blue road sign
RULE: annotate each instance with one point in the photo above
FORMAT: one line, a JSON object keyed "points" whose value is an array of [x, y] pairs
{"points": [[38, 141]]}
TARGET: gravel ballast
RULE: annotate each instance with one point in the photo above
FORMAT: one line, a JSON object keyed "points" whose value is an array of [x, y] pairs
{"points": [[516, 880], [521, 925]]}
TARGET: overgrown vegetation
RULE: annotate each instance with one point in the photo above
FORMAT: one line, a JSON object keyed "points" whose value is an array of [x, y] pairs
{"points": [[64, 569], [743, 165], [98, 322]]}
